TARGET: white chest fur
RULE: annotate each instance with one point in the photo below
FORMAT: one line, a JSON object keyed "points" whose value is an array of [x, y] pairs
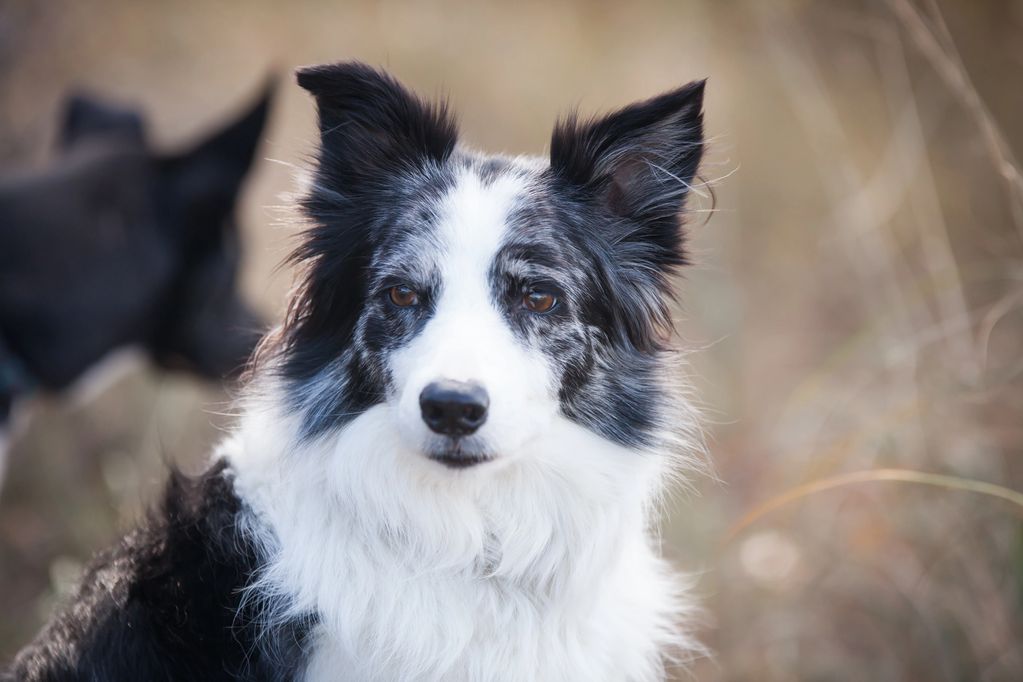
{"points": [[489, 630], [541, 569]]}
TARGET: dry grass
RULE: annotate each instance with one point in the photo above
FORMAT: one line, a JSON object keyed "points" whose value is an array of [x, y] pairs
{"points": [[859, 297]]}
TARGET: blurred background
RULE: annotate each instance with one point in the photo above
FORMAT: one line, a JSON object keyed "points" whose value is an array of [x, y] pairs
{"points": [[856, 302]]}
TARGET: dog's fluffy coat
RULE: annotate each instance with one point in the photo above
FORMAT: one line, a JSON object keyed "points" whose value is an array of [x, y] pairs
{"points": [[330, 541]]}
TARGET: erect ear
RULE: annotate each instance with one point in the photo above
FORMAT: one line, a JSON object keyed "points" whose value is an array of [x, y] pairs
{"points": [[640, 160], [85, 116], [370, 124], [637, 166], [209, 175]]}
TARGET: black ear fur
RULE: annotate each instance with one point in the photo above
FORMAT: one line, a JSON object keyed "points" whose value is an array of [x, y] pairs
{"points": [[233, 148], [85, 116], [635, 168], [209, 175], [641, 160], [370, 123]]}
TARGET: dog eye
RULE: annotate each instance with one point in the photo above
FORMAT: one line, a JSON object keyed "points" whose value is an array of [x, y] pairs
{"points": [[537, 301], [403, 296]]}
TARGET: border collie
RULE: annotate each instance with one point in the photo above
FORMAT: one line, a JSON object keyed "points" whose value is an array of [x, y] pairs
{"points": [[450, 453], [118, 245]]}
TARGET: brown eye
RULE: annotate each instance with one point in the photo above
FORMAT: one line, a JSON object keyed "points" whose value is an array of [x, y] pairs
{"points": [[539, 301], [403, 296]]}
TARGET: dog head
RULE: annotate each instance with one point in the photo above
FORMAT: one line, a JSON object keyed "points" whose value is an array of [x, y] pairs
{"points": [[119, 245], [481, 303], [203, 325]]}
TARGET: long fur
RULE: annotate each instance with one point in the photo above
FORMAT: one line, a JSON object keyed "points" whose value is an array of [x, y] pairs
{"points": [[371, 558]]}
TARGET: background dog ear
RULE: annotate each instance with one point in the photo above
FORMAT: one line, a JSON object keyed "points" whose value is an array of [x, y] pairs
{"points": [[207, 177], [640, 160], [86, 117], [370, 123]]}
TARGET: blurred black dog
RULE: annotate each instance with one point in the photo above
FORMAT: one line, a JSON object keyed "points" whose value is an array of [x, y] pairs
{"points": [[116, 245]]}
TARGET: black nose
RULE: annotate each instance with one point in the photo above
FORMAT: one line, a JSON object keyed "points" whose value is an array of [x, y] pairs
{"points": [[454, 408]]}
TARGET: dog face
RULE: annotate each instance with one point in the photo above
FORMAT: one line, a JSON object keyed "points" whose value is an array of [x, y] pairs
{"points": [[120, 246], [485, 301]]}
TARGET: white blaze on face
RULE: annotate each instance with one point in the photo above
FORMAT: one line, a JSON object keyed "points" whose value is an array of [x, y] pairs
{"points": [[468, 338]]}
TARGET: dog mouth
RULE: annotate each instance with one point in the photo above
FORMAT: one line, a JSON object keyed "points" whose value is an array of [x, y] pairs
{"points": [[459, 453], [459, 461]]}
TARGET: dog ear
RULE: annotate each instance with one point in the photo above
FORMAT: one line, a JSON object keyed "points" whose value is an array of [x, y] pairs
{"points": [[208, 176], [639, 161], [637, 167], [85, 116], [371, 125]]}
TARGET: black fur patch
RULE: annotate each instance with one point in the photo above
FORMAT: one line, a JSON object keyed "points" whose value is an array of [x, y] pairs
{"points": [[165, 603]]}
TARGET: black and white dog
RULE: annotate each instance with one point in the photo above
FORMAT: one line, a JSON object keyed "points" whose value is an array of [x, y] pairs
{"points": [[117, 245], [451, 452]]}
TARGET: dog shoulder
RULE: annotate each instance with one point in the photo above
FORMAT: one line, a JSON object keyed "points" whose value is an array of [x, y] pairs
{"points": [[165, 603]]}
